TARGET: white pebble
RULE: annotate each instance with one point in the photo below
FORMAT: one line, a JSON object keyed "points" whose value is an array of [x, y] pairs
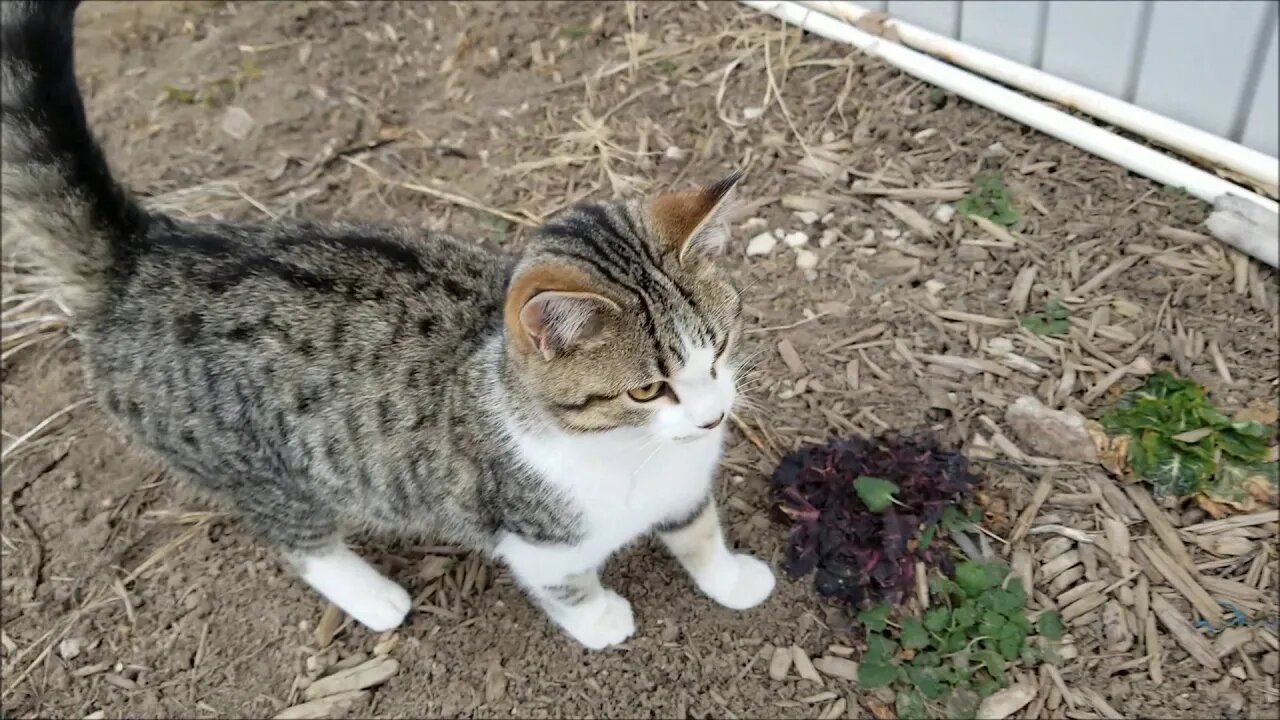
{"points": [[828, 218], [933, 287], [892, 233], [828, 237], [70, 648], [944, 213], [806, 259], [761, 244], [752, 113], [673, 153], [754, 225], [924, 134], [808, 217], [779, 233], [795, 239]]}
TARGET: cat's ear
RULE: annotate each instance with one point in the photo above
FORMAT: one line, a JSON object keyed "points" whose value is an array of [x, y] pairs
{"points": [[694, 221], [551, 308]]}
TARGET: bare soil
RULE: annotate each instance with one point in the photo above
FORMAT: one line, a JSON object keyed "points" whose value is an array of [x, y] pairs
{"points": [[125, 597]]}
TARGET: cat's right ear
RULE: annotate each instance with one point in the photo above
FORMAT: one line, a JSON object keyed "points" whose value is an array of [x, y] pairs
{"points": [[550, 309]]}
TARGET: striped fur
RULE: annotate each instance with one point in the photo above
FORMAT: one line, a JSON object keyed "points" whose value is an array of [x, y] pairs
{"points": [[323, 378]]}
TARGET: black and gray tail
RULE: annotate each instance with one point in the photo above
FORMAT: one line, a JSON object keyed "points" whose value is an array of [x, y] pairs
{"points": [[58, 193]]}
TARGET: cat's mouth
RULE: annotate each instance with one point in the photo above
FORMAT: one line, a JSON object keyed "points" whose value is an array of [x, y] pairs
{"points": [[686, 439]]}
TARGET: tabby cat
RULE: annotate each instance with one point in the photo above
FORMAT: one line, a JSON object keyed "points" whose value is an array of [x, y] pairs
{"points": [[546, 409]]}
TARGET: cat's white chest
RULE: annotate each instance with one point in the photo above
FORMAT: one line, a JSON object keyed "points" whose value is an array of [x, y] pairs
{"points": [[624, 482]]}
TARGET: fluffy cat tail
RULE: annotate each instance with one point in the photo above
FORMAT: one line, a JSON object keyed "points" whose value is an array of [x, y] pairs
{"points": [[57, 190]]}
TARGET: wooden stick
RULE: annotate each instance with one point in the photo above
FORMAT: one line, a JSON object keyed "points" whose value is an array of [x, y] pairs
{"points": [[1183, 632]]}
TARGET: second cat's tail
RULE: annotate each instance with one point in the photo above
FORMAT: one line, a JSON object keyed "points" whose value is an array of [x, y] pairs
{"points": [[58, 193]]}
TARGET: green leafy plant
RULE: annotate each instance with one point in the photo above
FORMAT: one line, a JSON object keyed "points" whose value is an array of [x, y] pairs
{"points": [[876, 493], [991, 200], [943, 663], [1054, 319], [1184, 446]]}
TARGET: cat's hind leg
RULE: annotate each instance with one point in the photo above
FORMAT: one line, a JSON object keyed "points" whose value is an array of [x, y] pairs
{"points": [[736, 581], [307, 534], [573, 598]]}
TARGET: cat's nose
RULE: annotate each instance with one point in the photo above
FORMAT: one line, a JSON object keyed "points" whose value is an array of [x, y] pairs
{"points": [[713, 424]]}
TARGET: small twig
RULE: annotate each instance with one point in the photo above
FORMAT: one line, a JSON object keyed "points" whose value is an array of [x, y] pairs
{"points": [[40, 426], [442, 195], [796, 324]]}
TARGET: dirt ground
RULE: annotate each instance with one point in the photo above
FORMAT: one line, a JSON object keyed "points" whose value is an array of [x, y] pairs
{"points": [[124, 597]]}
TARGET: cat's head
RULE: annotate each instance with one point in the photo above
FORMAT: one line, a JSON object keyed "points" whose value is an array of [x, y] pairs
{"points": [[618, 315]]}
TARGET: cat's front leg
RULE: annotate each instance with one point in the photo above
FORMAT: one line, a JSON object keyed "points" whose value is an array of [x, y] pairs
{"points": [[575, 600], [736, 581]]}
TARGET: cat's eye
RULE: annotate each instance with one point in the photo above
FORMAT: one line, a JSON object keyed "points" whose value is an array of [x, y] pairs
{"points": [[649, 392]]}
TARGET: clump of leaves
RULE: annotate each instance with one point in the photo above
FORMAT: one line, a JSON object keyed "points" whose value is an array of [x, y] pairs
{"points": [[864, 511], [944, 663], [1185, 447], [991, 200], [1054, 319]]}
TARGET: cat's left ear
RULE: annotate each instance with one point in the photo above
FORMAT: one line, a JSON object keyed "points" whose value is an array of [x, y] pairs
{"points": [[694, 221]]}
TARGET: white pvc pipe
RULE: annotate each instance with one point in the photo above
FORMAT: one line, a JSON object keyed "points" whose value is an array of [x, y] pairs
{"points": [[1194, 143], [1051, 121]]}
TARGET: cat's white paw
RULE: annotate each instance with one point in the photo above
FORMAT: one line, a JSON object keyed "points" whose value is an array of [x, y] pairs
{"points": [[380, 607], [352, 584], [601, 623], [741, 582]]}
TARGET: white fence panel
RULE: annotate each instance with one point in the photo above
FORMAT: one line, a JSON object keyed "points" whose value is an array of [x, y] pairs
{"points": [[940, 16], [1095, 43], [1009, 28], [1209, 63], [1262, 128], [1197, 60]]}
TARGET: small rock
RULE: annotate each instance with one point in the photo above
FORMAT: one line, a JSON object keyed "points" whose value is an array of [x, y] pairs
{"points": [[892, 233], [828, 218], [237, 122], [944, 213], [837, 667], [780, 663], [1053, 433], [71, 481], [761, 244], [795, 239], [828, 237], [1270, 663], [1238, 672], [673, 153], [972, 254], [996, 152], [933, 287], [70, 648], [806, 259], [752, 113], [754, 224], [808, 217]]}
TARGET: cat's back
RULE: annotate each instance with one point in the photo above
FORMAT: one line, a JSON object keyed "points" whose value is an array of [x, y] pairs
{"points": [[267, 328]]}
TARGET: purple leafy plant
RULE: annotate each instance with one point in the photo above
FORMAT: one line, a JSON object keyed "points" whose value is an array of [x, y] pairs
{"points": [[863, 511]]}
